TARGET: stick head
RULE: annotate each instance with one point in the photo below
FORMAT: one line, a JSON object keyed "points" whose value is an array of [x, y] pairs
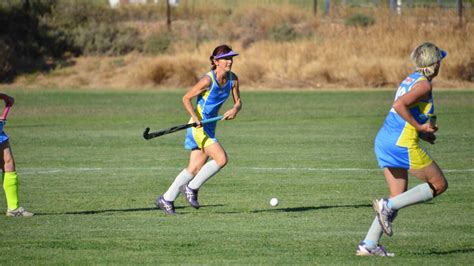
{"points": [[145, 133]]}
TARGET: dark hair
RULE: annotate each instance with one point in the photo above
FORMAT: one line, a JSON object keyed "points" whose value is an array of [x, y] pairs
{"points": [[221, 49]]}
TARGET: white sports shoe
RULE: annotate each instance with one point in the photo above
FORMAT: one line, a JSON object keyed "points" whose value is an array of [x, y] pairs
{"points": [[20, 211], [364, 250], [385, 215]]}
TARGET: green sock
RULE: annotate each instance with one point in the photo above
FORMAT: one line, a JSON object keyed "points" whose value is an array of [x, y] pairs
{"points": [[10, 185]]}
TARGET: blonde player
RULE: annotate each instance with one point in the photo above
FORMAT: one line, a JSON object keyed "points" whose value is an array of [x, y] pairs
{"points": [[398, 151]]}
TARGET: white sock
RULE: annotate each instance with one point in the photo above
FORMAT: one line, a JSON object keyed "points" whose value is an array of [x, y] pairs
{"points": [[173, 191], [420, 193], [206, 172], [374, 234]]}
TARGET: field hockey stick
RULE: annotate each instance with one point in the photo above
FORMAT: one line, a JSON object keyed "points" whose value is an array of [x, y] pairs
{"points": [[5, 113], [147, 135]]}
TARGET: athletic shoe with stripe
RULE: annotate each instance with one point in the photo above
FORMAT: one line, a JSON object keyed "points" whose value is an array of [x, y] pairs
{"points": [[190, 195], [20, 211], [364, 250], [385, 215], [166, 206]]}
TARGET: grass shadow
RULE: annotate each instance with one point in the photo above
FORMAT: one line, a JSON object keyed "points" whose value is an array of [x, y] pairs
{"points": [[32, 126], [313, 208], [447, 252], [98, 211], [117, 210]]}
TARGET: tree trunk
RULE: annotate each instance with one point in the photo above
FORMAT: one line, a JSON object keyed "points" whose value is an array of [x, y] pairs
{"points": [[459, 5], [168, 15]]}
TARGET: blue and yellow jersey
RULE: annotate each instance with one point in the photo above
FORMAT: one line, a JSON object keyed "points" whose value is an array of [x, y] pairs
{"points": [[420, 110], [396, 144], [208, 104]]}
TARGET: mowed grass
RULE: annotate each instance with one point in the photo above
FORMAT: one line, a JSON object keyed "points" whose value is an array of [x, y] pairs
{"points": [[92, 180]]}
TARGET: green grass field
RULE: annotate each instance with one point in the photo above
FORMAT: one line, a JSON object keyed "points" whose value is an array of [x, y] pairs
{"points": [[92, 180]]}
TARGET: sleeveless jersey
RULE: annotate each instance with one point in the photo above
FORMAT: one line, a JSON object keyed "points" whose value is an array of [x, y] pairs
{"points": [[208, 104], [421, 110], [396, 144]]}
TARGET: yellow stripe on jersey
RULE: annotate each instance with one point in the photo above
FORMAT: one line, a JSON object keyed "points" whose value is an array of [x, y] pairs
{"points": [[421, 78], [201, 138], [198, 113], [205, 95], [199, 135], [424, 107], [417, 156]]}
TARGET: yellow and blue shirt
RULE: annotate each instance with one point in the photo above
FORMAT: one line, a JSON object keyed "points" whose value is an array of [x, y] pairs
{"points": [[208, 104], [397, 142]]}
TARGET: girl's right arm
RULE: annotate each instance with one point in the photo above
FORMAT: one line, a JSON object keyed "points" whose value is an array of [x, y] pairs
{"points": [[402, 105], [202, 85]]}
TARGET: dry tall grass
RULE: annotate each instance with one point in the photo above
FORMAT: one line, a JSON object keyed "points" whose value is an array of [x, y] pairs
{"points": [[328, 53]]}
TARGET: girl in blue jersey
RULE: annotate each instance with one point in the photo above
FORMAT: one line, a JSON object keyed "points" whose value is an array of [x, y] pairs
{"points": [[398, 151], [9, 176], [210, 93]]}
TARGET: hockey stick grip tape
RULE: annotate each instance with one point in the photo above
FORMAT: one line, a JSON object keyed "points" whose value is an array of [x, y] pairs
{"points": [[5, 113]]}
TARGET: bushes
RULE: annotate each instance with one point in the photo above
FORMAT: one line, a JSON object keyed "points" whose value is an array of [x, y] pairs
{"points": [[171, 71], [259, 32], [35, 33], [462, 70], [265, 23], [92, 29], [283, 33], [468, 71], [25, 40], [157, 43], [360, 20], [5, 60], [102, 39]]}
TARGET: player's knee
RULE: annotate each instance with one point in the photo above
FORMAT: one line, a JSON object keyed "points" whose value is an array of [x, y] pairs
{"points": [[9, 165], [439, 187], [222, 161], [442, 187]]}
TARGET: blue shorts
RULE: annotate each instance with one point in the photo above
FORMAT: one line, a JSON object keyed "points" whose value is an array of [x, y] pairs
{"points": [[198, 138], [400, 150]]}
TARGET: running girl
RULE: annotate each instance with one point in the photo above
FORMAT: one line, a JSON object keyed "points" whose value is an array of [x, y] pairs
{"points": [[398, 151], [210, 93]]}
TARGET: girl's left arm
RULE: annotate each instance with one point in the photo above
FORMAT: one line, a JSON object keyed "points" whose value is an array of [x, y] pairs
{"points": [[232, 113]]}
